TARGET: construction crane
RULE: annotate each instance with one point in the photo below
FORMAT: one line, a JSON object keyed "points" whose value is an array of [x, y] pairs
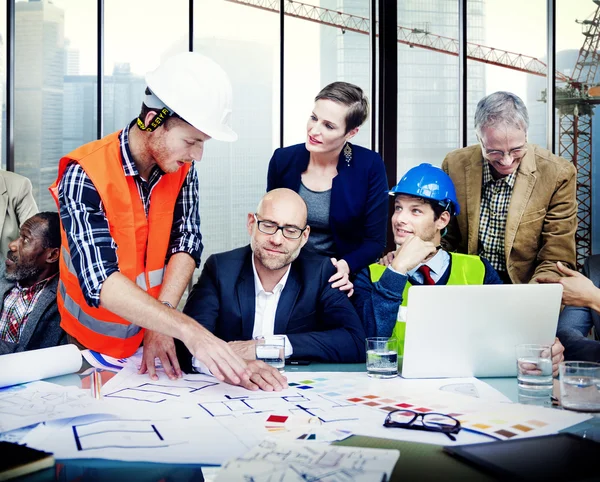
{"points": [[575, 99], [575, 95]]}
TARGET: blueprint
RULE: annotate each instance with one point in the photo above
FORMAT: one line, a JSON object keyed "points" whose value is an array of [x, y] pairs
{"points": [[192, 441], [24, 405], [273, 461]]}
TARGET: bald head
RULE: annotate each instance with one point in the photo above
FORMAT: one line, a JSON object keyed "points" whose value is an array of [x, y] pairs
{"points": [[286, 205], [283, 232]]}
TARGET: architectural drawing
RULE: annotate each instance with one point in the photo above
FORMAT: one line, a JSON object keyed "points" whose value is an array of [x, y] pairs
{"points": [[41, 401], [316, 406], [122, 434], [157, 393], [277, 462], [176, 440]]}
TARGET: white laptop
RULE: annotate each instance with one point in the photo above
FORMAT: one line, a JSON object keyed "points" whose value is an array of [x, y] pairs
{"points": [[466, 331]]}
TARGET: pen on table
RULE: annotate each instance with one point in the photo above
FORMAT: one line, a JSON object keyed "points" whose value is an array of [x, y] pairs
{"points": [[96, 384]]}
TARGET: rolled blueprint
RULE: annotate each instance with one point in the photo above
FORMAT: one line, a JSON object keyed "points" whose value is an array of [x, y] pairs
{"points": [[33, 365]]}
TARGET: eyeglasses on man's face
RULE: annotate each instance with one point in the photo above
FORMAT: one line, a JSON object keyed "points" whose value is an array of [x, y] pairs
{"points": [[288, 231], [429, 422], [494, 155]]}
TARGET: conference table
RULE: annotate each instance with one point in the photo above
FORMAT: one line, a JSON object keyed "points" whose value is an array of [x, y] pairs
{"points": [[418, 461]]}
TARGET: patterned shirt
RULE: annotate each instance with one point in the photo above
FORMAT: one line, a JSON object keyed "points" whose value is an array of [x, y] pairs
{"points": [[93, 250], [495, 199], [17, 306]]}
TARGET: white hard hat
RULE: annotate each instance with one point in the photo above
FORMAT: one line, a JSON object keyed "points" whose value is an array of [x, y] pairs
{"points": [[198, 90]]}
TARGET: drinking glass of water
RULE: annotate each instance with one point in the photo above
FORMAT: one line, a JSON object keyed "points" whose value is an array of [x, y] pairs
{"points": [[580, 386], [382, 357], [534, 367], [271, 350]]}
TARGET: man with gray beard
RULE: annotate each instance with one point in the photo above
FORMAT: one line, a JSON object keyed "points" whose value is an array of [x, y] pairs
{"points": [[29, 317], [272, 288]]}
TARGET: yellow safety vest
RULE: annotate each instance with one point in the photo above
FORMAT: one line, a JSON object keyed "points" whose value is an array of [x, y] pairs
{"points": [[465, 269]]}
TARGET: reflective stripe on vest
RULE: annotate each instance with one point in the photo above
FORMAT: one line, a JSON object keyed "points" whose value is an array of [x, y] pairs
{"points": [[116, 330]]}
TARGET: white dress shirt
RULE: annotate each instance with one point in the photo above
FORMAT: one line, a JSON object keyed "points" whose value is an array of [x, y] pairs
{"points": [[265, 308]]}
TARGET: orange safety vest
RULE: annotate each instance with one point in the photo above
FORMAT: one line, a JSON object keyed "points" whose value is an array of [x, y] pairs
{"points": [[142, 244]]}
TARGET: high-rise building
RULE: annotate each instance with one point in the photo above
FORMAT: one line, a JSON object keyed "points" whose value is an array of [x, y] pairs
{"points": [[72, 59], [123, 96], [39, 71]]}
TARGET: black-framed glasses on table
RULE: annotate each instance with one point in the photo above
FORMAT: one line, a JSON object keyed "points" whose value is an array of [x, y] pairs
{"points": [[429, 422]]}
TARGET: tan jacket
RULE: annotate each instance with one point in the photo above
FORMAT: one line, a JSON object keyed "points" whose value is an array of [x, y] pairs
{"points": [[542, 215], [17, 205]]}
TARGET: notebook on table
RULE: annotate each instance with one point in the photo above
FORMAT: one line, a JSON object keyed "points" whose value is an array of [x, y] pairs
{"points": [[18, 460]]}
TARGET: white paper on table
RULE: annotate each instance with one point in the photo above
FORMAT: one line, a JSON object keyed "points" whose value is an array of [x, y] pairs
{"points": [[24, 405], [193, 440], [17, 435], [27, 366], [469, 387], [273, 460], [128, 390], [324, 397], [358, 383]]}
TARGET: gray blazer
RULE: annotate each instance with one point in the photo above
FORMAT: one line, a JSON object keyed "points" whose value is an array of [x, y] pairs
{"points": [[42, 329], [17, 205], [575, 323]]}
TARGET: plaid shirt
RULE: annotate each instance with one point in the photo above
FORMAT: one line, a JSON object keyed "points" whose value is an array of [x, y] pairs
{"points": [[93, 250], [17, 306], [495, 199]]}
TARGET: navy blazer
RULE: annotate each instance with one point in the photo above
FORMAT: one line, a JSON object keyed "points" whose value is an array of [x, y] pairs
{"points": [[319, 320], [575, 322], [358, 213]]}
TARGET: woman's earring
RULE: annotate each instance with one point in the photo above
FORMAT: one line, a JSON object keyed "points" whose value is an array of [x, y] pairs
{"points": [[348, 153]]}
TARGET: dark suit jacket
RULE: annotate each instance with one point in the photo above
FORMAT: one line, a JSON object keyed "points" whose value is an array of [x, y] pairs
{"points": [[358, 213], [319, 321], [42, 329], [575, 323]]}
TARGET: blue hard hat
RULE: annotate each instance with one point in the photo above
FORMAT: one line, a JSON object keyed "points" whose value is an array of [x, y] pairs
{"points": [[429, 182]]}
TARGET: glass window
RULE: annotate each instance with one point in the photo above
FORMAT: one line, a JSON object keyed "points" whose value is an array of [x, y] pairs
{"points": [[42, 32], [504, 38], [577, 137], [317, 54], [233, 176], [427, 82]]}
